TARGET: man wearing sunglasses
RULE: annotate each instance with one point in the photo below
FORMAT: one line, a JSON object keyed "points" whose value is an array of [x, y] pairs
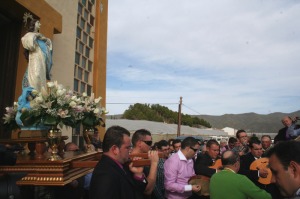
{"points": [[179, 168], [142, 142]]}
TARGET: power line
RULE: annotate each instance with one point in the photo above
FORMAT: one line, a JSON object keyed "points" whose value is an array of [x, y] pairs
{"points": [[191, 109], [140, 103], [170, 103]]}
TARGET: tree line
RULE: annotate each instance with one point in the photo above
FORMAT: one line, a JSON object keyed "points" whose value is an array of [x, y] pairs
{"points": [[158, 113]]}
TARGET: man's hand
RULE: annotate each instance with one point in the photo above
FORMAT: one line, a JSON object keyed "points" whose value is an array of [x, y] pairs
{"points": [[138, 171], [263, 173], [153, 156], [196, 188]]}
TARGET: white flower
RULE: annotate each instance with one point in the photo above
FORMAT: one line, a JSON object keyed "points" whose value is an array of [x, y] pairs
{"points": [[10, 114], [55, 84], [7, 118], [97, 110], [60, 92], [44, 92], [50, 84], [92, 97], [34, 92], [84, 94], [97, 100], [59, 86], [39, 100], [74, 98], [47, 105], [8, 109], [72, 104]]}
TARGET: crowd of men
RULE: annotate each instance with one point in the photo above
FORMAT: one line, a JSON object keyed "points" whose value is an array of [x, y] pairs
{"points": [[242, 167], [188, 169]]}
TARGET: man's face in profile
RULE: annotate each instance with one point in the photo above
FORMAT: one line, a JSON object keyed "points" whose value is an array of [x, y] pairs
{"points": [[287, 180]]}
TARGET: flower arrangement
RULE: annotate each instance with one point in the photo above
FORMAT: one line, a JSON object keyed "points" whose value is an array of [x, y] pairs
{"points": [[56, 105], [91, 111]]}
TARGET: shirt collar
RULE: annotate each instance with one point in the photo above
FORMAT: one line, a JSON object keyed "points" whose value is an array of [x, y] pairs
{"points": [[298, 192], [181, 156], [118, 163], [228, 169]]}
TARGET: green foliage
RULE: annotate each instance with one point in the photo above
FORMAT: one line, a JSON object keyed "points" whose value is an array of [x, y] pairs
{"points": [[160, 113]]}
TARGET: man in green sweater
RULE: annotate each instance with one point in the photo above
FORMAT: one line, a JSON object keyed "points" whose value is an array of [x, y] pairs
{"points": [[227, 184]]}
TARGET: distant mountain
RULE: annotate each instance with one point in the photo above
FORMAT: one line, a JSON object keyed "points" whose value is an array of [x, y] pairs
{"points": [[251, 122]]}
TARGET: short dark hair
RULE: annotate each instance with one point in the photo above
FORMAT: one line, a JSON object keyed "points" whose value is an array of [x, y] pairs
{"points": [[231, 159], [286, 152], [254, 140], [211, 142], [138, 135], [232, 140], [266, 136], [189, 142], [239, 132], [162, 143], [175, 142], [114, 136]]}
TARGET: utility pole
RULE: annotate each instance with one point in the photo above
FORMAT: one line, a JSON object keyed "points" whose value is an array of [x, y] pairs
{"points": [[179, 117]]}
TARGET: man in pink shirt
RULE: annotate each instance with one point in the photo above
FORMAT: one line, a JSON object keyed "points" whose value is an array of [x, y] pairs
{"points": [[178, 170]]}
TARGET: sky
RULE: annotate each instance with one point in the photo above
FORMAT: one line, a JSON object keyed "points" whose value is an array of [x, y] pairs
{"points": [[220, 56]]}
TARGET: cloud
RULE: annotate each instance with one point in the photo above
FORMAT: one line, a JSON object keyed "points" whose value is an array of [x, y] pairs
{"points": [[221, 56]]}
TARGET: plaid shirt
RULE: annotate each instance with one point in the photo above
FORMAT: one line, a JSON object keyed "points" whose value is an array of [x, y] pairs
{"points": [[159, 189]]}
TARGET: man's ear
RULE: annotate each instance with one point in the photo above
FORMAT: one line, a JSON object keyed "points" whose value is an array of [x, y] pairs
{"points": [[115, 150], [295, 169]]}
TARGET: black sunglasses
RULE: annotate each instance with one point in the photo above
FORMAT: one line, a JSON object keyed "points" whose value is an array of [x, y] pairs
{"points": [[149, 143], [195, 150]]}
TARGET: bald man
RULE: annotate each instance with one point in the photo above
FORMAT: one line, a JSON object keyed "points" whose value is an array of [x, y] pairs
{"points": [[228, 184], [289, 131]]}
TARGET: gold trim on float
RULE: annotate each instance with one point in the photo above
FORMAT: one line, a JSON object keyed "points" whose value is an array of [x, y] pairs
{"points": [[52, 173]]}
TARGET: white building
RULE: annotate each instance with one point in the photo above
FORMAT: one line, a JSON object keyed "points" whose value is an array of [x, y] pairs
{"points": [[230, 131]]}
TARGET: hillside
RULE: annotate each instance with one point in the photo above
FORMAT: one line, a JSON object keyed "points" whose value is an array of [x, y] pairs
{"points": [[251, 122]]}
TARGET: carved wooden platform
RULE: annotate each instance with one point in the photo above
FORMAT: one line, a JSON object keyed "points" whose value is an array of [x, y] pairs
{"points": [[41, 171]]}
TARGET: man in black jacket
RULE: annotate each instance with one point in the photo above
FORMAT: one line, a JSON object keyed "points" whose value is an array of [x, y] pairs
{"points": [[112, 177], [246, 161], [206, 160]]}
